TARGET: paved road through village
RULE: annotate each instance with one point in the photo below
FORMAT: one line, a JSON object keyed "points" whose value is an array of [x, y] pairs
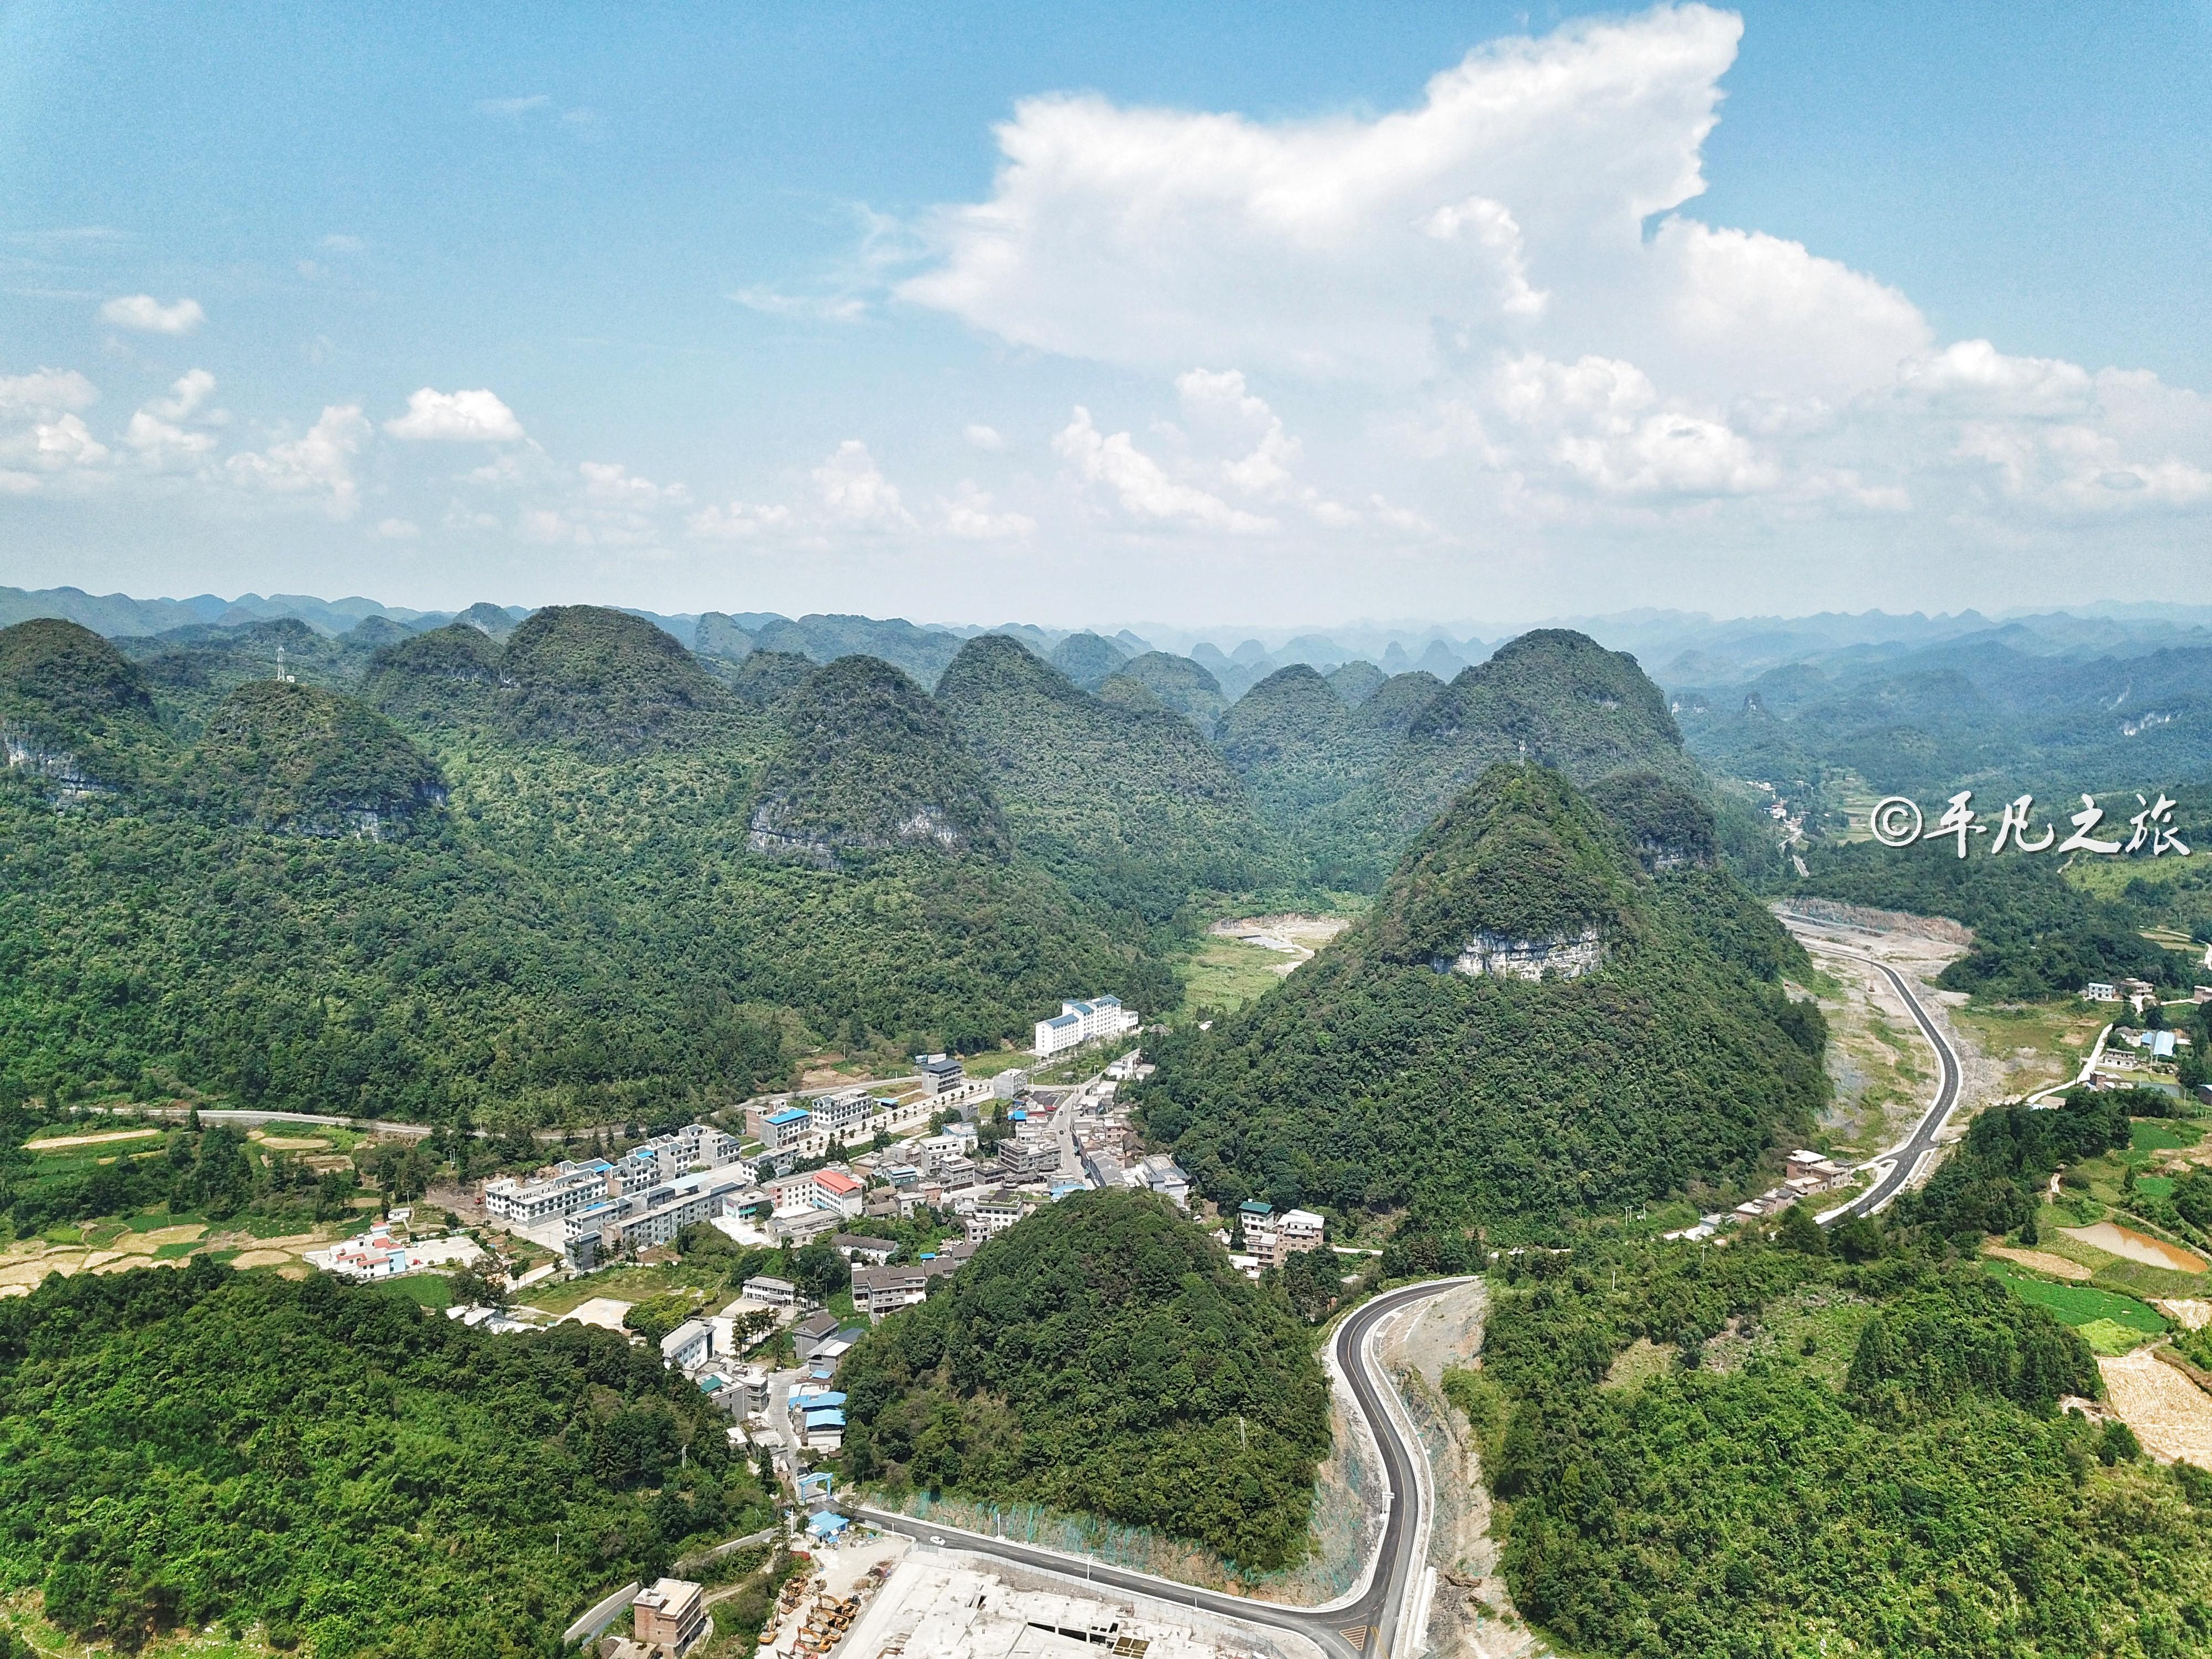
{"points": [[1363, 1624]]}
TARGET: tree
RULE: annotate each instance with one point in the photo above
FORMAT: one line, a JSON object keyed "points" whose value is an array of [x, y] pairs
{"points": [[1800, 1232]]}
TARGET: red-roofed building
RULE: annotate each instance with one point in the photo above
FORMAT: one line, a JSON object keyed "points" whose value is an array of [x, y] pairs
{"points": [[821, 1190]]}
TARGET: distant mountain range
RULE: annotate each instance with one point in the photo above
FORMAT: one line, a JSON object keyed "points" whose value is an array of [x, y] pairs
{"points": [[1677, 648]]}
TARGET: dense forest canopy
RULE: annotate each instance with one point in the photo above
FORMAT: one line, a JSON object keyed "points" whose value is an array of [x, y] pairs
{"points": [[1370, 1079], [66, 691], [337, 1466], [1867, 1455], [1128, 807], [1102, 1356], [581, 930], [291, 756], [869, 764]]}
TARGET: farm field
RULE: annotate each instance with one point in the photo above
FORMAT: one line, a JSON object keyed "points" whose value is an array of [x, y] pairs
{"points": [[2109, 1322]]}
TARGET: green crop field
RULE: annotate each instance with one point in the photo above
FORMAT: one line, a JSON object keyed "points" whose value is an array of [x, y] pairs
{"points": [[2079, 1304], [2160, 1135]]}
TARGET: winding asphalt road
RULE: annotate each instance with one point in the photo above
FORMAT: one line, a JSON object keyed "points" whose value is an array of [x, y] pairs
{"points": [[1362, 1625], [1895, 1167]]}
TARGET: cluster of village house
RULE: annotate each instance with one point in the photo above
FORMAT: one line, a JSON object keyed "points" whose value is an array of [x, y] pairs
{"points": [[1060, 1140], [1807, 1174]]}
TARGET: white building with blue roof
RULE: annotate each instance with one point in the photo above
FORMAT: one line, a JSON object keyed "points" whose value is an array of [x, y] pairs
{"points": [[1078, 1023]]}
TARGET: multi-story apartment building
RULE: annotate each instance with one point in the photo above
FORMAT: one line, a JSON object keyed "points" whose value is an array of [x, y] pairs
{"points": [[1078, 1023], [786, 1127], [844, 1112], [638, 1221], [994, 1213]]}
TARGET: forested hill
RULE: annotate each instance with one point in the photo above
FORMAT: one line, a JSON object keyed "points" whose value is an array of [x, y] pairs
{"points": [[1554, 696], [868, 764], [338, 1466], [298, 756], [1102, 1356], [72, 707], [525, 891], [1761, 1450], [1378, 1076], [599, 682], [1350, 773], [549, 867], [1130, 807]]}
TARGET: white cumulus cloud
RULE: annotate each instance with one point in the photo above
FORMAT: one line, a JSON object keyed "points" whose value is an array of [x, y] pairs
{"points": [[854, 492], [969, 514], [475, 417], [148, 315], [47, 391], [318, 463], [737, 521], [1141, 486]]}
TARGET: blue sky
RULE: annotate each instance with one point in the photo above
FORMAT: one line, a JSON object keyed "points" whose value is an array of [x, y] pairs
{"points": [[1184, 313]]}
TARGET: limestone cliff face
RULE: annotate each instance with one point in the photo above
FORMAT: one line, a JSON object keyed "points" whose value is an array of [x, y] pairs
{"points": [[1556, 955], [71, 783]]}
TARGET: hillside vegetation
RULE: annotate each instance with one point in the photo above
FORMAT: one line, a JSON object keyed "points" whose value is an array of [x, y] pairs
{"points": [[605, 683], [1370, 1080], [1127, 807], [582, 931], [73, 708], [1861, 1458], [1176, 683], [869, 764], [337, 1467], [1554, 696], [299, 757], [1102, 1356]]}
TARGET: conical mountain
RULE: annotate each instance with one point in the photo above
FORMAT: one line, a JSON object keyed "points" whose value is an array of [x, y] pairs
{"points": [[447, 677], [1399, 701], [308, 761], [607, 683], [717, 635], [489, 619], [1522, 876], [1179, 683], [1128, 806], [1555, 696], [1528, 1024], [1298, 746], [1357, 681], [870, 764], [1087, 658], [74, 712]]}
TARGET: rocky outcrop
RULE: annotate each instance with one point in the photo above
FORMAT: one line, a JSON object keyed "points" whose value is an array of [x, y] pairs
{"points": [[383, 820], [64, 775], [1560, 956], [773, 832]]}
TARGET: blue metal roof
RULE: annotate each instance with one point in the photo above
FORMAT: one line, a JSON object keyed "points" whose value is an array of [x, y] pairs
{"points": [[828, 1417], [788, 1115]]}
